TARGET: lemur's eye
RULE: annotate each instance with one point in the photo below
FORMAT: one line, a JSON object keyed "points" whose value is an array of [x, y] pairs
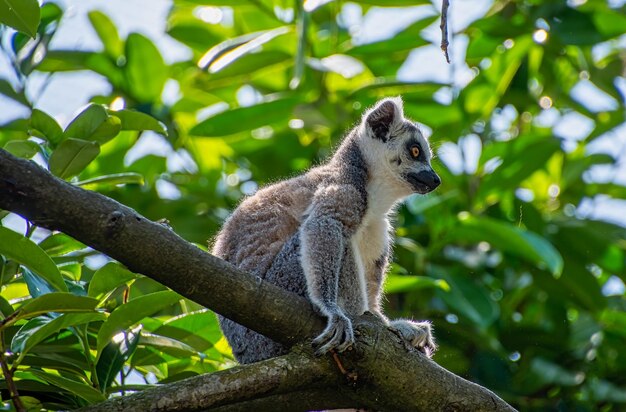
{"points": [[415, 151]]}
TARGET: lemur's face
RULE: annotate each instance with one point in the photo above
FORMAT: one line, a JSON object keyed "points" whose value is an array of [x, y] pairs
{"points": [[401, 149]]}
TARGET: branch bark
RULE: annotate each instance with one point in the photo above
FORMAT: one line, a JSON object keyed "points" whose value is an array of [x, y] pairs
{"points": [[296, 379], [389, 376]]}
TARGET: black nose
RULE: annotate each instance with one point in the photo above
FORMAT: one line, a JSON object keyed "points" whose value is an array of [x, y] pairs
{"points": [[429, 178]]}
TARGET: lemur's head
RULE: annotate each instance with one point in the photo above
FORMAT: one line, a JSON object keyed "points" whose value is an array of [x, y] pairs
{"points": [[396, 147]]}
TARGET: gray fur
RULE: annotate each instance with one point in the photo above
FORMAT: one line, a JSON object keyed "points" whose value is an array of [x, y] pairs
{"points": [[325, 234]]}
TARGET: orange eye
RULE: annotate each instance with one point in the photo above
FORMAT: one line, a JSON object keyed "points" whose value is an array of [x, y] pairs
{"points": [[415, 151]]}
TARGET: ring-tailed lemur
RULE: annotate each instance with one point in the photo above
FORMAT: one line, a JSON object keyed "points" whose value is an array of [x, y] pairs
{"points": [[325, 234]]}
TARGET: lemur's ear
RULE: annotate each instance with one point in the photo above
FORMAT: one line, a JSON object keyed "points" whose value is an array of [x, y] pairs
{"points": [[383, 116]]}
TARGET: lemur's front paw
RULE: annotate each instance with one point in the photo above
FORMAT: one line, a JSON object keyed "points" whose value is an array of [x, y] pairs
{"points": [[338, 335], [416, 335]]}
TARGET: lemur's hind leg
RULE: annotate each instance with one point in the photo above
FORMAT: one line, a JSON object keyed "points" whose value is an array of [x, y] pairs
{"points": [[285, 272], [247, 345], [417, 335]]}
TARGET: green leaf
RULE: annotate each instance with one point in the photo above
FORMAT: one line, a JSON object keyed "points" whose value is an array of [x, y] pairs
{"points": [[22, 15], [246, 118], [574, 168], [133, 120], [24, 251], [407, 39], [402, 284], [146, 72], [40, 328], [434, 114], [46, 127], [229, 51], [67, 60], [525, 244], [51, 14], [5, 307], [132, 312], [606, 391], [22, 148], [107, 130], [108, 278], [477, 97], [547, 372], [31, 404], [420, 204], [393, 3], [71, 361], [114, 355], [112, 180], [8, 268], [469, 299], [576, 286], [59, 244], [574, 27], [249, 66], [107, 33], [7, 89], [26, 381], [37, 286], [57, 302], [195, 34], [199, 330], [87, 122], [72, 156], [74, 271], [81, 389], [514, 169], [169, 345], [220, 2], [61, 302], [614, 321], [610, 23]]}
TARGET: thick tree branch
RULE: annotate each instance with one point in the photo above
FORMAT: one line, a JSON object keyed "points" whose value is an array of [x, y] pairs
{"points": [[153, 250], [390, 378], [296, 379]]}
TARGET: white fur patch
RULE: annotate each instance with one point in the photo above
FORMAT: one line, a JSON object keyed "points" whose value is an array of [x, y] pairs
{"points": [[360, 269]]}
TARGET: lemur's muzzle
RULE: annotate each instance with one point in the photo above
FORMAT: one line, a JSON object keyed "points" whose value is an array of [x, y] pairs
{"points": [[424, 181]]}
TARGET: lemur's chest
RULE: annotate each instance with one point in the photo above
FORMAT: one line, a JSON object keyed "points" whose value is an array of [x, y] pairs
{"points": [[371, 240]]}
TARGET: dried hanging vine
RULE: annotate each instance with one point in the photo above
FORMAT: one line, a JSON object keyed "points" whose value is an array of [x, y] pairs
{"points": [[444, 28]]}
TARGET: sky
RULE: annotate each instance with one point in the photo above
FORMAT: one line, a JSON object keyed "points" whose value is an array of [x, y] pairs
{"points": [[65, 94]]}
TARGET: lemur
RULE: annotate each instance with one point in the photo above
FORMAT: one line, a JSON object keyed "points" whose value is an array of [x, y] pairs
{"points": [[325, 235]]}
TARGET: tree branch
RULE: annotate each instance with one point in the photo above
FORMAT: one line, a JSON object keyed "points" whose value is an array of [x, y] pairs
{"points": [[389, 377], [296, 378], [153, 250]]}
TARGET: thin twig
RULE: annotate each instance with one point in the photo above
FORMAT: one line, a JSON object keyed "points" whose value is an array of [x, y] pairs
{"points": [[30, 228], [351, 376], [81, 332], [8, 378], [8, 320], [444, 28]]}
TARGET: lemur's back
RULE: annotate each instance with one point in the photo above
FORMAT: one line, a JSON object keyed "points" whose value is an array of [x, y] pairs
{"points": [[257, 230]]}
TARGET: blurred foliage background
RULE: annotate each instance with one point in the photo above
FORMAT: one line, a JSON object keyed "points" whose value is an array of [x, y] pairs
{"points": [[509, 258]]}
